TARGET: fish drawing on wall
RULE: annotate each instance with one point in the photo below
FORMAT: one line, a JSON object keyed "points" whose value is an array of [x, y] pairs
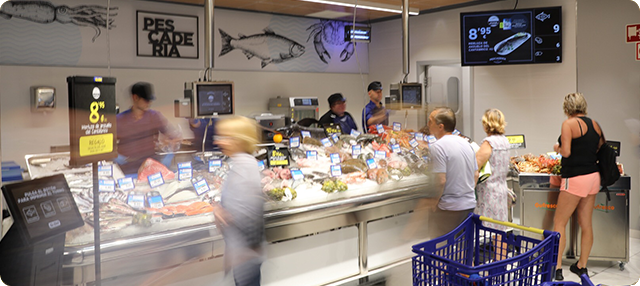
{"points": [[268, 46], [332, 33], [45, 12]]}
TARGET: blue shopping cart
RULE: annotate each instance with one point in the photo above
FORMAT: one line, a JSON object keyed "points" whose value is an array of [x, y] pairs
{"points": [[476, 255], [584, 278]]}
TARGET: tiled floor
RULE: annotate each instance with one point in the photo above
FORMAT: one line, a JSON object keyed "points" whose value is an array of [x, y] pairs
{"points": [[609, 273]]}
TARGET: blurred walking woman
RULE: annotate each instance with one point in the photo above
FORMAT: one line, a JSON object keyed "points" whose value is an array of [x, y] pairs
{"points": [[580, 138], [240, 213], [493, 194]]}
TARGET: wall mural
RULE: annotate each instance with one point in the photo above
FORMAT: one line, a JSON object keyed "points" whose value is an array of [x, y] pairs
{"points": [[44, 12], [268, 46], [332, 33]]}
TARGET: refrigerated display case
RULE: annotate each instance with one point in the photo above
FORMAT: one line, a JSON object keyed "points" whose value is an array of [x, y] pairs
{"points": [[538, 203]]}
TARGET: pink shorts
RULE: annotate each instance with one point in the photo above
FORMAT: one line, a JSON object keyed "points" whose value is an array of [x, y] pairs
{"points": [[582, 185]]}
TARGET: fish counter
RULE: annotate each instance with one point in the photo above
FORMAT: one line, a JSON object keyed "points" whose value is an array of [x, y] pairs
{"points": [[161, 218]]}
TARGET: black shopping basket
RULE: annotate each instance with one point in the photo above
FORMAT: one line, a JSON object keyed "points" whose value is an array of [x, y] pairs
{"points": [[476, 255]]}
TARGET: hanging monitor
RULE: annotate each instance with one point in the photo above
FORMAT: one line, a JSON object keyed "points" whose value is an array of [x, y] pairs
{"points": [[212, 99], [411, 95]]}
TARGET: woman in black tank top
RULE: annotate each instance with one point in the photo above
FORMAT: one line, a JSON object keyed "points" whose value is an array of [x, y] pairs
{"points": [[578, 144]]}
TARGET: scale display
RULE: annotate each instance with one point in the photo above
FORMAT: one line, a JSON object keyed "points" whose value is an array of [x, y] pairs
{"points": [[521, 36]]}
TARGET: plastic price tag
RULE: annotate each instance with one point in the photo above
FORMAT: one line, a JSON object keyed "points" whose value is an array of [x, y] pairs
{"points": [[335, 137], [356, 150], [136, 200], [397, 126], [355, 133], [294, 142], [312, 155], [336, 170], [214, 164], [297, 175], [126, 184], [154, 199], [184, 165], [380, 155], [185, 174], [105, 171], [155, 180], [371, 163], [261, 165], [380, 128], [106, 186], [395, 148], [419, 136], [326, 142], [305, 133], [413, 143], [201, 187], [335, 158], [431, 139], [455, 132]]}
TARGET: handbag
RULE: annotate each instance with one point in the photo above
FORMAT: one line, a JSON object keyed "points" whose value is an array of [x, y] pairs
{"points": [[607, 166], [484, 173]]}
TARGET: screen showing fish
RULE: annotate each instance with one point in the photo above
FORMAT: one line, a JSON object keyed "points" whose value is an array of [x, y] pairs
{"points": [[511, 36], [214, 99]]}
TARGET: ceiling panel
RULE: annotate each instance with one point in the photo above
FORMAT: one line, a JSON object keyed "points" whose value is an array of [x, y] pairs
{"points": [[301, 8]]}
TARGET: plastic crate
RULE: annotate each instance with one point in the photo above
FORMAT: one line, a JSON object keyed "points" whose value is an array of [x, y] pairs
{"points": [[465, 257], [584, 278]]}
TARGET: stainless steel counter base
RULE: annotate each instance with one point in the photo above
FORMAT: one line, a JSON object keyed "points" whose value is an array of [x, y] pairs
{"points": [[537, 209], [153, 253]]}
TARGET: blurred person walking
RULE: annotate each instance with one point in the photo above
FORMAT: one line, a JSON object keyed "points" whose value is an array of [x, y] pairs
{"points": [[580, 139], [240, 214]]}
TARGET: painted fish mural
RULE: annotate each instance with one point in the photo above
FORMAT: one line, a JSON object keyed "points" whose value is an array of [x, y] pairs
{"points": [[44, 12], [332, 33], [268, 46]]}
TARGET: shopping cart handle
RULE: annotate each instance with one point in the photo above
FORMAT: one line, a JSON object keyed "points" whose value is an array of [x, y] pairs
{"points": [[509, 224]]}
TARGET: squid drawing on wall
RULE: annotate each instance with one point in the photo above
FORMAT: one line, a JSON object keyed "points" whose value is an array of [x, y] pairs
{"points": [[268, 46], [45, 12], [332, 33]]}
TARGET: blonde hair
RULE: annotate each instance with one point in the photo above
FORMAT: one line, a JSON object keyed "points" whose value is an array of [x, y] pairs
{"points": [[242, 129], [574, 103], [493, 121]]}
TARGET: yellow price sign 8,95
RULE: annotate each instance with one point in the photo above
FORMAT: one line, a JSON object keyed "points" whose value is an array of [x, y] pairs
{"points": [[516, 141]]}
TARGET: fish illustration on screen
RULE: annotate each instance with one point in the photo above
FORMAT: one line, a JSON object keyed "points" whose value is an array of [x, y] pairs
{"points": [[268, 46]]}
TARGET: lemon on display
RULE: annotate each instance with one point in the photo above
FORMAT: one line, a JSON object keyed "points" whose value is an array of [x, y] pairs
{"points": [[277, 138]]}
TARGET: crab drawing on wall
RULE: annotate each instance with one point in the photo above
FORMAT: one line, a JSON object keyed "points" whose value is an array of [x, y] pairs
{"points": [[332, 33]]}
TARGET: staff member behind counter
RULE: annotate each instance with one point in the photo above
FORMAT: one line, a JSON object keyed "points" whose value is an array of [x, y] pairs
{"points": [[138, 129], [337, 114], [374, 113]]}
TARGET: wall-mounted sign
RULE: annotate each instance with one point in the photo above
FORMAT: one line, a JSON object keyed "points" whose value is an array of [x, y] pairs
{"points": [[167, 35], [516, 141], [92, 119], [638, 51], [633, 33]]}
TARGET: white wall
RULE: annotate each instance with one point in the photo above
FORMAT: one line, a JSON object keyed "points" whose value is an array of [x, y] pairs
{"points": [[24, 132], [609, 77]]}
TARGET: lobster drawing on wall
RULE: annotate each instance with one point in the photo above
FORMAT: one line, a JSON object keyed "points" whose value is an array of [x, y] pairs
{"points": [[332, 33], [44, 12]]}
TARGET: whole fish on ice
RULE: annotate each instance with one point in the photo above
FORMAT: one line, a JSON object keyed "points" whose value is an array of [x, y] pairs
{"points": [[268, 46]]}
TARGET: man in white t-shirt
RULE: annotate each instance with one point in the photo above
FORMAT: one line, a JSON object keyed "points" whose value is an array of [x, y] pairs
{"points": [[455, 173]]}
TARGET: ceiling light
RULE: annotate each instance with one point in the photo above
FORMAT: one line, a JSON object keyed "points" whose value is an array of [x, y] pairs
{"points": [[367, 5], [637, 2], [2, 2]]}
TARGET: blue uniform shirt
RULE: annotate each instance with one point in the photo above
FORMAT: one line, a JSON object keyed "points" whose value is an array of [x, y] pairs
{"points": [[369, 110], [345, 121]]}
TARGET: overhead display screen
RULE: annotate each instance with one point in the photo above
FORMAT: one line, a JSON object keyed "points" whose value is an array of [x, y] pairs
{"points": [[42, 207], [214, 99], [521, 36]]}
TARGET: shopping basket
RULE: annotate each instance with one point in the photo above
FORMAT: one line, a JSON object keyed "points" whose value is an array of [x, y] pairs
{"points": [[476, 255]]}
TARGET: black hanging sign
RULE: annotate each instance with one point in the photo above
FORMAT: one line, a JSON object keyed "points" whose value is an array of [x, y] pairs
{"points": [[278, 157]]}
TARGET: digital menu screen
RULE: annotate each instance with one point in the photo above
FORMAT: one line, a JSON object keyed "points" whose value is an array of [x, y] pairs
{"points": [[411, 95], [521, 36], [214, 99], [42, 207]]}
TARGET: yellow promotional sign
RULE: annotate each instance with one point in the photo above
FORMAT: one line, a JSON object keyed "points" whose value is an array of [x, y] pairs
{"points": [[96, 144], [516, 141]]}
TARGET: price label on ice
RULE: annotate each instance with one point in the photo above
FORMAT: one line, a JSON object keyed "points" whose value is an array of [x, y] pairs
{"points": [[294, 142], [419, 136], [155, 202], [201, 187], [214, 164], [371, 163], [106, 186], [185, 174], [184, 165], [395, 148], [355, 133], [105, 170], [397, 126], [335, 158], [380, 128], [297, 175], [136, 200], [356, 150], [305, 133], [261, 165], [126, 184], [413, 143], [431, 139], [380, 155], [455, 132], [155, 180], [336, 170], [326, 142], [312, 155], [335, 137]]}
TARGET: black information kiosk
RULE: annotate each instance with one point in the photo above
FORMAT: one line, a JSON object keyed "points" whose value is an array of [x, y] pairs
{"points": [[43, 211]]}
